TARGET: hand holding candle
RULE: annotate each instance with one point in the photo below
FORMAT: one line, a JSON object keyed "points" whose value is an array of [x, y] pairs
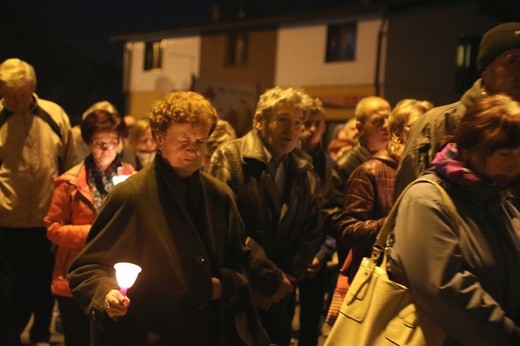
{"points": [[115, 304], [126, 274]]}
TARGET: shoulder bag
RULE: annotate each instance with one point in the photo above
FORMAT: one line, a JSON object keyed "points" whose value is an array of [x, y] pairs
{"points": [[379, 311]]}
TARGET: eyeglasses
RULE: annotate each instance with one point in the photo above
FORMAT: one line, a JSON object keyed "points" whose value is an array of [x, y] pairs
{"points": [[105, 145]]}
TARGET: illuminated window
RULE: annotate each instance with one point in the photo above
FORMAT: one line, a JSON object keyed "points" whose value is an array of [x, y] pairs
{"points": [[466, 57], [341, 42], [238, 50], [153, 53]]}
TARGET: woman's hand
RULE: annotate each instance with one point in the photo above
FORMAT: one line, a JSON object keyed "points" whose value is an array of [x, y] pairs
{"points": [[116, 304]]}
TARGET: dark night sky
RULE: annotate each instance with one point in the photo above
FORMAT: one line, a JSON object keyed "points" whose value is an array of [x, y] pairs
{"points": [[67, 42]]}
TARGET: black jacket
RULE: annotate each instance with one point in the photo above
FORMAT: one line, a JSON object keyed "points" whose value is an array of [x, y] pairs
{"points": [[289, 235], [148, 220]]}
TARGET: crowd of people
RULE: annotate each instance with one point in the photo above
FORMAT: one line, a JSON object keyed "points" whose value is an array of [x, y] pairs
{"points": [[231, 233]]}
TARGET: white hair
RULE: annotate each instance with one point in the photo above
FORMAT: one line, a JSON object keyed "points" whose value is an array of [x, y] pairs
{"points": [[15, 73], [101, 105]]}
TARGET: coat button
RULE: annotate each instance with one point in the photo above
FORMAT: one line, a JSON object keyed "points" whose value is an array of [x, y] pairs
{"points": [[202, 306], [199, 259], [92, 315]]}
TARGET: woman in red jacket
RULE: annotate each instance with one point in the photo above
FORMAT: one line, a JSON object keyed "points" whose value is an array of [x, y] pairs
{"points": [[78, 196]]}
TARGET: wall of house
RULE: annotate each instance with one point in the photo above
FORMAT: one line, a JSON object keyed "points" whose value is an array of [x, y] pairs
{"points": [[417, 59], [259, 71], [340, 85], [300, 58], [180, 63], [422, 50]]}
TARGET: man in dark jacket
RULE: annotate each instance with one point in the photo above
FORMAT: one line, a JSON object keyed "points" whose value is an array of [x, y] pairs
{"points": [[312, 289], [277, 195], [182, 227], [498, 62]]}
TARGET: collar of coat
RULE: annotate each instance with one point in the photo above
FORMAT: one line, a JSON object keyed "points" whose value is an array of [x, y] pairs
{"points": [[253, 148]]}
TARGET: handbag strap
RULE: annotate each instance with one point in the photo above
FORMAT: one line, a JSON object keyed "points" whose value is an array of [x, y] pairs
{"points": [[346, 263], [382, 238]]}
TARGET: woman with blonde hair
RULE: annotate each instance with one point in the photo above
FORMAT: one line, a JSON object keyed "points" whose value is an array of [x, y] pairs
{"points": [[404, 114]]}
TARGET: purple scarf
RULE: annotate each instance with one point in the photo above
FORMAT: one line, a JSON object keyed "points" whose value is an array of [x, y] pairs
{"points": [[448, 164]]}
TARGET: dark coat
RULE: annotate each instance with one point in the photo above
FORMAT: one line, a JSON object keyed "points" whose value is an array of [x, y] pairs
{"points": [[146, 220], [335, 198], [341, 171], [290, 235], [323, 164], [427, 134]]}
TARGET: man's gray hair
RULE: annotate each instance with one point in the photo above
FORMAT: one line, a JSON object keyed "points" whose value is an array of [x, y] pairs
{"points": [[15, 73], [279, 95]]}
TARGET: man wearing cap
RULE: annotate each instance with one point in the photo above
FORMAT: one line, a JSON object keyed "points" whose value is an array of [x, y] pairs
{"points": [[498, 63]]}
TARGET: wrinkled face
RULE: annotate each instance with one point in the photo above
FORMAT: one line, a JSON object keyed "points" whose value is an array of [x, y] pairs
{"points": [[501, 166], [313, 130], [146, 142], [282, 131], [18, 100], [104, 147], [502, 75], [375, 131], [183, 146]]}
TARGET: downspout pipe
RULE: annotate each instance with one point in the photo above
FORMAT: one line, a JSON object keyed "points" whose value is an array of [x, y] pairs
{"points": [[379, 58]]}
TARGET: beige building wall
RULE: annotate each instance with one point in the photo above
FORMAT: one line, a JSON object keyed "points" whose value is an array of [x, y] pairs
{"points": [[180, 64], [259, 70], [300, 57], [139, 102], [340, 85]]}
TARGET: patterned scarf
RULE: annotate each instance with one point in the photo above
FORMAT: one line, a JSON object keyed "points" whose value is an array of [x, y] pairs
{"points": [[100, 182], [448, 164]]}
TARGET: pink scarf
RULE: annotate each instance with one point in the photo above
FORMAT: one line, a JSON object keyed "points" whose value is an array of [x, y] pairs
{"points": [[448, 164]]}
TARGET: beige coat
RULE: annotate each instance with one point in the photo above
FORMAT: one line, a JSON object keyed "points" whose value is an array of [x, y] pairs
{"points": [[31, 156]]}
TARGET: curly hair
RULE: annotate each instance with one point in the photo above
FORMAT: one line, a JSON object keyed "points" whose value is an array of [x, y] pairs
{"points": [[278, 95], [316, 107], [181, 107]]}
